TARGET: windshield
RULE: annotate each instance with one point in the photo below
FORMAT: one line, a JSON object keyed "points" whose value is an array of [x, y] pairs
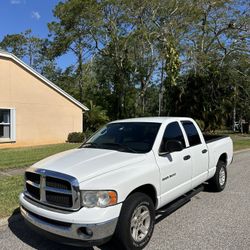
{"points": [[133, 137]]}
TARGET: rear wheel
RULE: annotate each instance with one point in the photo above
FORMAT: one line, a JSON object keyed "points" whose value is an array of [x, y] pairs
{"points": [[218, 182], [136, 222]]}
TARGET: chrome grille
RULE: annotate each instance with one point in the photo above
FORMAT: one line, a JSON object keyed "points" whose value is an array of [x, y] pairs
{"points": [[59, 199], [57, 183], [52, 188], [33, 177], [33, 190]]}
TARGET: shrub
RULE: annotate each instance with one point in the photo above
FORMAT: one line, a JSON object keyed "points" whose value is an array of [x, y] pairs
{"points": [[76, 137]]}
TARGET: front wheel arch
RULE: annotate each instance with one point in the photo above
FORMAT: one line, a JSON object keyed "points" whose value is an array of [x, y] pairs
{"points": [[122, 237], [147, 189]]}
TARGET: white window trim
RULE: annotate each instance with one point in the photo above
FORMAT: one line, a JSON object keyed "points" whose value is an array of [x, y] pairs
{"points": [[12, 124]]}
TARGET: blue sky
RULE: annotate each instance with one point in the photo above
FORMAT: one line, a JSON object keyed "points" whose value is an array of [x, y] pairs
{"points": [[20, 15]]}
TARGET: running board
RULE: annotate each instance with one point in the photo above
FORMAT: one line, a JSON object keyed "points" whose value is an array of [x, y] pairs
{"points": [[174, 205]]}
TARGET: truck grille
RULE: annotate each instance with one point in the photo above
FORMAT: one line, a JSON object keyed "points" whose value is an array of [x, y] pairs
{"points": [[57, 183], [32, 190], [53, 189], [59, 199]]}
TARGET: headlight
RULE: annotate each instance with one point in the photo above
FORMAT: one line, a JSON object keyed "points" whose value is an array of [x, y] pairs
{"points": [[98, 198]]}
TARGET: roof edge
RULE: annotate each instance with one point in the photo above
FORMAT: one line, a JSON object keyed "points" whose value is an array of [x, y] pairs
{"points": [[44, 79]]}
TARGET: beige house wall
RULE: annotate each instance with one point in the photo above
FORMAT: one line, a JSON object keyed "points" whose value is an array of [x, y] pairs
{"points": [[43, 116]]}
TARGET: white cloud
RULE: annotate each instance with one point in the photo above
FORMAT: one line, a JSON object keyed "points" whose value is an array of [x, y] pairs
{"points": [[15, 1], [36, 15]]}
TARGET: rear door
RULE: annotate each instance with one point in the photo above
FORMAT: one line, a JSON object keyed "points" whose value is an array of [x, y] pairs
{"points": [[198, 152], [175, 168]]}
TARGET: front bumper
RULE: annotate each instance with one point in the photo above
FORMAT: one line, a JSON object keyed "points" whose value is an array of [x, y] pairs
{"points": [[72, 230]]}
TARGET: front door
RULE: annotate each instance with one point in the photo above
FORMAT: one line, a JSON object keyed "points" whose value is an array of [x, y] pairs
{"points": [[175, 168]]}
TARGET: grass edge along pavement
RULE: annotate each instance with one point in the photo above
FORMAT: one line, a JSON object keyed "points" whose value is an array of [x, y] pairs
{"points": [[241, 144], [10, 188]]}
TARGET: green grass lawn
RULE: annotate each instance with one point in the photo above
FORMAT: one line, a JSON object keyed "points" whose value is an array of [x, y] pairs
{"points": [[26, 156], [10, 188], [240, 141], [240, 145]]}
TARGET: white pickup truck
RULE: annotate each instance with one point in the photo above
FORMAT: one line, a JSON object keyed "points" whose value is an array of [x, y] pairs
{"points": [[114, 184]]}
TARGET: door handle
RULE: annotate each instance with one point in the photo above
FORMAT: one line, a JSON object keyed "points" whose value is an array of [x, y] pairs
{"points": [[204, 151], [186, 157]]}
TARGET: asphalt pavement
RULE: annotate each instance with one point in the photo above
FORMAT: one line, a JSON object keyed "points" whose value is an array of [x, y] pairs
{"points": [[208, 221]]}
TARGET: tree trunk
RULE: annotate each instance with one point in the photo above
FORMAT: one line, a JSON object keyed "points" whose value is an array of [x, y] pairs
{"points": [[80, 77]]}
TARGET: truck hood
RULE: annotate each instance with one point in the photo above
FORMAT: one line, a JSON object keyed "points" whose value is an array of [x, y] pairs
{"points": [[87, 163]]}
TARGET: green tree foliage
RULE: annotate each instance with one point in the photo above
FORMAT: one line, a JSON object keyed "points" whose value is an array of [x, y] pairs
{"points": [[72, 33], [213, 93], [147, 58], [95, 117], [14, 43], [33, 50]]}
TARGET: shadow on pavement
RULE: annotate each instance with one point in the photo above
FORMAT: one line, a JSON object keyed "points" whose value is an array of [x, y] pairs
{"points": [[19, 228], [164, 212], [208, 189]]}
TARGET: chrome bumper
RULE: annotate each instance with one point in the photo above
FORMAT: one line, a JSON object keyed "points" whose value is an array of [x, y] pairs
{"points": [[73, 231]]}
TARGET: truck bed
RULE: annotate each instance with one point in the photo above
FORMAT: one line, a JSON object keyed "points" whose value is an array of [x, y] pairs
{"points": [[211, 138]]}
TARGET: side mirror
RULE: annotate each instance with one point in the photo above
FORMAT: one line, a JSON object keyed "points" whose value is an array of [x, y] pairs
{"points": [[171, 146]]}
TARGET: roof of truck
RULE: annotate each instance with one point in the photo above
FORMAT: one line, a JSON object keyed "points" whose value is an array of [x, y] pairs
{"points": [[159, 119]]}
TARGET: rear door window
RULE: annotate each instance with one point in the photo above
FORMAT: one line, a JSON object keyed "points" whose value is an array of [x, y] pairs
{"points": [[192, 133]]}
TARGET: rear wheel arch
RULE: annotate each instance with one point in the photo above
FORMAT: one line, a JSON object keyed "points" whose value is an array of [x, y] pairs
{"points": [[223, 157], [218, 182]]}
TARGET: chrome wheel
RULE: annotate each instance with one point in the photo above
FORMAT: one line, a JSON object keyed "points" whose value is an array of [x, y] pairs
{"points": [[140, 223], [222, 176]]}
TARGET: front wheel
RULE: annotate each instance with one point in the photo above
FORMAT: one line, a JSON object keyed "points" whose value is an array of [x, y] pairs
{"points": [[136, 222], [218, 182]]}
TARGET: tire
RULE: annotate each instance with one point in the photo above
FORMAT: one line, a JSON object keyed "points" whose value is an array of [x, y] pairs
{"points": [[218, 182], [138, 212]]}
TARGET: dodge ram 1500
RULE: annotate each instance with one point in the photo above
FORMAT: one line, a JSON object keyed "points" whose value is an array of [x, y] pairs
{"points": [[114, 184]]}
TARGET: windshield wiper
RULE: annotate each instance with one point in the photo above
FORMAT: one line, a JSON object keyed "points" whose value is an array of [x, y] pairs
{"points": [[89, 145], [121, 146]]}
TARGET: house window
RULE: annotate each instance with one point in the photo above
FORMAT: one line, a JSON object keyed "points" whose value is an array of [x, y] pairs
{"points": [[7, 125]]}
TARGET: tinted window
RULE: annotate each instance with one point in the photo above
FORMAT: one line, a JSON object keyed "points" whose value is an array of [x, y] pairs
{"points": [[133, 137], [172, 132], [192, 133]]}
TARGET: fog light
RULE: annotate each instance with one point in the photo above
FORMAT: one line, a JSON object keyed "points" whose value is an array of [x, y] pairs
{"points": [[85, 231], [89, 232]]}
